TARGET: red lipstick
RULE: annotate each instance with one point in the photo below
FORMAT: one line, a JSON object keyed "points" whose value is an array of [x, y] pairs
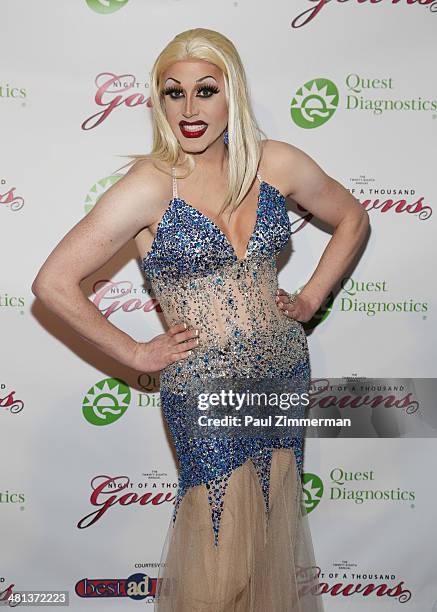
{"points": [[193, 129]]}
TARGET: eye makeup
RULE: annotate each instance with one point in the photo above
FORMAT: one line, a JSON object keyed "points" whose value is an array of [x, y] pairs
{"points": [[172, 90]]}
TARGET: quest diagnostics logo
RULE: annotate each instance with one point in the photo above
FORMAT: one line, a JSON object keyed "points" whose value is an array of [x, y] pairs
{"points": [[312, 491], [104, 7], [106, 401], [314, 103]]}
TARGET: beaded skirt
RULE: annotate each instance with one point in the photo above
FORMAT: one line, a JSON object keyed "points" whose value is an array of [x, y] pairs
{"points": [[239, 538]]}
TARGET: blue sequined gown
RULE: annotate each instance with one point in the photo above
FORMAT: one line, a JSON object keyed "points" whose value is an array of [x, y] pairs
{"points": [[239, 539]]}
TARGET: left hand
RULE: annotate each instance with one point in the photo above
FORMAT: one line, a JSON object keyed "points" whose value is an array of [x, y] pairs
{"points": [[301, 308]]}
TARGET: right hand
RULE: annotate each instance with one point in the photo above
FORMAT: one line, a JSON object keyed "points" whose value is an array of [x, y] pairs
{"points": [[166, 348]]}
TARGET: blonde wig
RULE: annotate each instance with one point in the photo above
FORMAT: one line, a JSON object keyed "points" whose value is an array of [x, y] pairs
{"points": [[244, 148]]}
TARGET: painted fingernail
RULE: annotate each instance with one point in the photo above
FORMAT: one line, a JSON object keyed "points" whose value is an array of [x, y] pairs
{"points": [[197, 332]]}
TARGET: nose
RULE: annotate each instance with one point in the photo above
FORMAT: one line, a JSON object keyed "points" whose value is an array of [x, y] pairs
{"points": [[190, 106]]}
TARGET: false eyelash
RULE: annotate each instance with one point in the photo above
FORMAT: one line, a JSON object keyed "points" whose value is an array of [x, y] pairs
{"points": [[175, 89]]}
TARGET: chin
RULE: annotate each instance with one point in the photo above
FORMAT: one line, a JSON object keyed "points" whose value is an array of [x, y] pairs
{"points": [[194, 147]]}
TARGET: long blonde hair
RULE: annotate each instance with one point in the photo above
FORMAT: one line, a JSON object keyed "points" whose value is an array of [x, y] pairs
{"points": [[244, 148]]}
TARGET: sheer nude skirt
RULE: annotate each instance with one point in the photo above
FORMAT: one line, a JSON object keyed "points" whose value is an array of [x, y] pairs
{"points": [[261, 563]]}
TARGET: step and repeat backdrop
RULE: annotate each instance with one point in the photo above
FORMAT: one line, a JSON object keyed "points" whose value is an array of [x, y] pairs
{"points": [[88, 473]]}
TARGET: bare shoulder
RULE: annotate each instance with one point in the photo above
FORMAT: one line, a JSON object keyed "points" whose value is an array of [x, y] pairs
{"points": [[286, 166], [153, 182], [144, 181], [297, 174]]}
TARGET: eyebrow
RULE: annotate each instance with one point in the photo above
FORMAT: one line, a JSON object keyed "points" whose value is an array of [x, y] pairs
{"points": [[208, 76]]}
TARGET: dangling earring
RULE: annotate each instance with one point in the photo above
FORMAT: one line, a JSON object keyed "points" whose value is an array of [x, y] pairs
{"points": [[226, 137]]}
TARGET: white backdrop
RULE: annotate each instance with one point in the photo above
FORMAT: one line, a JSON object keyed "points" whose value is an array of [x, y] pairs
{"points": [[65, 522]]}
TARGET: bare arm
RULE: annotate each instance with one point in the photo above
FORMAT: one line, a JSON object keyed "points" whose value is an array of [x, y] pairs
{"points": [[329, 201], [123, 210]]}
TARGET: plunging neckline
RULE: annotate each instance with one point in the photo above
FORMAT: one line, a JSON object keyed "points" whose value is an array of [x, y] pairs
{"points": [[221, 232], [212, 224]]}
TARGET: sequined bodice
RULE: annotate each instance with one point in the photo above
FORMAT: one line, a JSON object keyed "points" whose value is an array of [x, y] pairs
{"points": [[197, 278], [188, 243]]}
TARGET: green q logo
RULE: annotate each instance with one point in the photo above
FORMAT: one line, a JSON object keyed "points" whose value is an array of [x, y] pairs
{"points": [[314, 103], [105, 7], [312, 491], [106, 401]]}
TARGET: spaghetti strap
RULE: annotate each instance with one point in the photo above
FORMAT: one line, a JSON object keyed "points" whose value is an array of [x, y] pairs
{"points": [[258, 176], [175, 187]]}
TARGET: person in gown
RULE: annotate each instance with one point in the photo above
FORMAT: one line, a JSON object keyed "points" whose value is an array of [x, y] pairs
{"points": [[207, 209]]}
